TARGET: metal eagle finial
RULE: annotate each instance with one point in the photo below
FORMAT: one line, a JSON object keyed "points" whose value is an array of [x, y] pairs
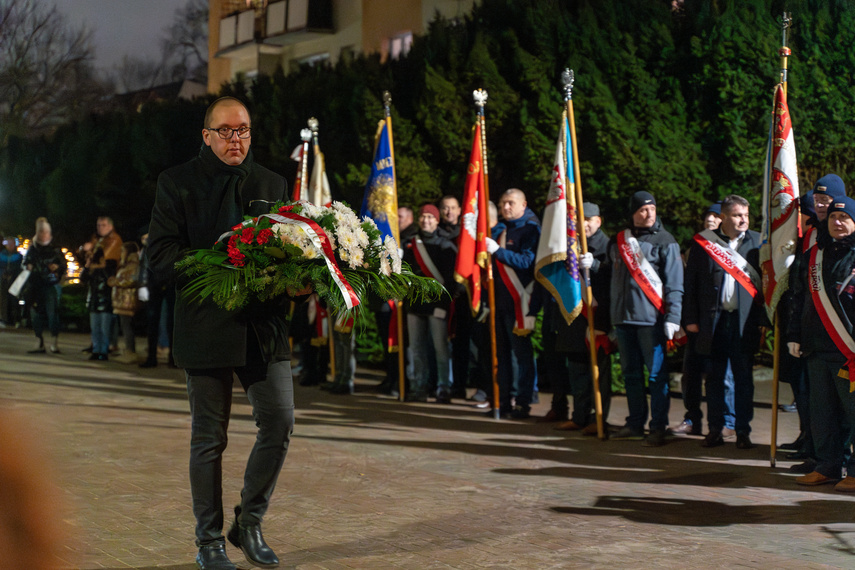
{"points": [[313, 124], [567, 79], [480, 97]]}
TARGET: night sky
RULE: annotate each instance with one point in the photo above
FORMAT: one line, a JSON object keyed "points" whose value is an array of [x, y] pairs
{"points": [[122, 27]]}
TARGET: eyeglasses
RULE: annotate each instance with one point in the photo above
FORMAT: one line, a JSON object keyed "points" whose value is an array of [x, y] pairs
{"points": [[227, 133]]}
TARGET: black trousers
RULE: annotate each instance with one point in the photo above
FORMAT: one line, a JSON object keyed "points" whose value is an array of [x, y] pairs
{"points": [[270, 390]]}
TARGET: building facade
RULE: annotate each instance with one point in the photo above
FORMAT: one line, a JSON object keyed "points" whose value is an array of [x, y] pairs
{"points": [[251, 37]]}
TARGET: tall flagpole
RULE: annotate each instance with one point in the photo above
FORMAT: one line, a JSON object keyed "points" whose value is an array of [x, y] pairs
{"points": [[396, 233], [480, 97], [313, 125], [303, 168], [568, 78], [784, 52]]}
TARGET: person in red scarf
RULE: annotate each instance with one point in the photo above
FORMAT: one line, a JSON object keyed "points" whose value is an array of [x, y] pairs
{"points": [[431, 254]]}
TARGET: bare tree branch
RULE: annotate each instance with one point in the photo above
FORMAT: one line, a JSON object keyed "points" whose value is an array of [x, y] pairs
{"points": [[46, 76]]}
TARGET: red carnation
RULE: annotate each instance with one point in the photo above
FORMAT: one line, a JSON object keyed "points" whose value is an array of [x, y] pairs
{"points": [[284, 209], [264, 235], [236, 257], [233, 241], [247, 235]]}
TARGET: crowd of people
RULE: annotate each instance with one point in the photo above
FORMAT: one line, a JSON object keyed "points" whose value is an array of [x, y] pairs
{"points": [[119, 285], [648, 291], [650, 294]]}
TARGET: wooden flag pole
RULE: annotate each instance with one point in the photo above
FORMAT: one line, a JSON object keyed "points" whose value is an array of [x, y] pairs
{"points": [[784, 52], [568, 78], [480, 97], [396, 233], [313, 124]]}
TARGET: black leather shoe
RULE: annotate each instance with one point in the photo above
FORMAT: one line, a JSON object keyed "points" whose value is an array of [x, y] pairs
{"points": [[713, 439], [743, 441], [346, 388], [794, 445], [798, 455], [250, 540], [213, 557]]}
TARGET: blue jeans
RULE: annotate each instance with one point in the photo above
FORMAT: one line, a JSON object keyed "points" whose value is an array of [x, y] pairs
{"points": [[426, 331], [642, 346], [45, 310], [100, 325], [510, 348], [269, 388]]}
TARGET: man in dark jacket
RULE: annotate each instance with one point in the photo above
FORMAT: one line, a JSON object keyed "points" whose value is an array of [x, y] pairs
{"points": [[646, 300], [722, 307], [513, 247], [570, 364], [196, 202], [430, 254], [821, 331]]}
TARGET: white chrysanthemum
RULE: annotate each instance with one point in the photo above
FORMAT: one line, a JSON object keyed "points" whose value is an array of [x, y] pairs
{"points": [[385, 267], [361, 237], [356, 258]]}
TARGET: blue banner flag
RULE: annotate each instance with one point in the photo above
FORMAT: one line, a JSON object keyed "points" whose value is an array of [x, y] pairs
{"points": [[381, 201]]}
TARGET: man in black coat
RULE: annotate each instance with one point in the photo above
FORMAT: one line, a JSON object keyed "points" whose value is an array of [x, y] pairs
{"points": [[196, 202], [723, 309]]}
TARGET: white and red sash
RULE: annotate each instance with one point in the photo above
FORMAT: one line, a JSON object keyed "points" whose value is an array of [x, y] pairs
{"points": [[426, 264], [640, 269], [809, 240], [520, 295], [734, 264], [829, 317]]}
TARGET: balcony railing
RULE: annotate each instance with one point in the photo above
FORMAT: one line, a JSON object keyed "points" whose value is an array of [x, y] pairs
{"points": [[276, 22]]}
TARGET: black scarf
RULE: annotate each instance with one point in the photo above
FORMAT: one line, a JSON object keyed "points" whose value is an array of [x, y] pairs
{"points": [[227, 180]]}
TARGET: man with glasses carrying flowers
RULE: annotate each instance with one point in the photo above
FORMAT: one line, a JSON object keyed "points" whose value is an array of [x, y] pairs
{"points": [[196, 203]]}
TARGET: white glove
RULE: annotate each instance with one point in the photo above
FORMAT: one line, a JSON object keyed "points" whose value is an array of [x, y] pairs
{"points": [[671, 329], [142, 294], [492, 246], [400, 253], [586, 260], [795, 349]]}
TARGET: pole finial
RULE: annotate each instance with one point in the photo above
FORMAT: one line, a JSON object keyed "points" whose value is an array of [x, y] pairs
{"points": [[313, 124], [480, 97], [567, 79], [387, 99]]}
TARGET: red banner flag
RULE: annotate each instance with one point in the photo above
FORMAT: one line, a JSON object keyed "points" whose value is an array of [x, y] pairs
{"points": [[471, 244]]}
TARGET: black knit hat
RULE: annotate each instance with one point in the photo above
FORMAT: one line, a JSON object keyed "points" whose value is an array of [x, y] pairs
{"points": [[843, 204], [830, 184], [639, 199]]}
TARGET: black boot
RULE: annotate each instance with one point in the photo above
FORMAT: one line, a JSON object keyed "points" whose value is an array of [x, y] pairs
{"points": [[213, 557], [250, 540]]}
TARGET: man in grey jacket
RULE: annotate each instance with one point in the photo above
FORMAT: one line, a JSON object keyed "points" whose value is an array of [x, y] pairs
{"points": [[646, 298]]}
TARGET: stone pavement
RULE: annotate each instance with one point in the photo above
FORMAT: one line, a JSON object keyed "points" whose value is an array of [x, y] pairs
{"points": [[373, 483]]}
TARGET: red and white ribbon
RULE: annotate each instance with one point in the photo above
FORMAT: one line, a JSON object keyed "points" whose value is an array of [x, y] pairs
{"points": [[734, 264], [321, 242], [829, 317], [640, 269]]}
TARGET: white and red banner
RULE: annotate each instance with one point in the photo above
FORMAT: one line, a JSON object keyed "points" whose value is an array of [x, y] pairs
{"points": [[780, 229]]}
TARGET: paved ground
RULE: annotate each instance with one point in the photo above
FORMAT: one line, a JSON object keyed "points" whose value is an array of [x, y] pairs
{"points": [[373, 483]]}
